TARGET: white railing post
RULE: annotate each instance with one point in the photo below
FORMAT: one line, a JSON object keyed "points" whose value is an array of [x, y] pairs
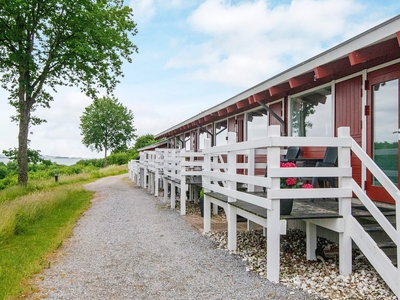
{"points": [[398, 245], [345, 242], [183, 182], [273, 214], [232, 210], [251, 167], [206, 179]]}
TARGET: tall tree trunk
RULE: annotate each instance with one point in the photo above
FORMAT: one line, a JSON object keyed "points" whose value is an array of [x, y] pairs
{"points": [[105, 157], [22, 157]]}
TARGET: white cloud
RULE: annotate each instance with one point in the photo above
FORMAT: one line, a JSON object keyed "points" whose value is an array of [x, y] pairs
{"points": [[143, 10], [247, 42]]}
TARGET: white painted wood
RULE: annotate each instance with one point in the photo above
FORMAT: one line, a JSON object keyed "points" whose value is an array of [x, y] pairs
{"points": [[311, 240], [232, 227], [375, 212], [273, 214], [344, 181], [375, 255]]}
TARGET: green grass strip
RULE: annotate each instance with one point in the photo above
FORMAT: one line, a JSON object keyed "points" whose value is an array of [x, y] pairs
{"points": [[37, 225]]}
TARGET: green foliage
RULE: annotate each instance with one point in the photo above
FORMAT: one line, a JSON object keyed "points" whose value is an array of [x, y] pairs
{"points": [[107, 125], [143, 141], [3, 171], [118, 158], [45, 44], [34, 156]]}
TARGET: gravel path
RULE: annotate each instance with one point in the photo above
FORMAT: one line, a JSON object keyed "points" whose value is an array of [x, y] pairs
{"points": [[128, 245]]}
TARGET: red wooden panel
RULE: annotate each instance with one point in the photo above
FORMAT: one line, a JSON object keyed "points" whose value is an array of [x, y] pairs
{"points": [[348, 112], [276, 108]]}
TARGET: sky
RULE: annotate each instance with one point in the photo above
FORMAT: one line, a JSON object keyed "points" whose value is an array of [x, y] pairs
{"points": [[196, 54]]}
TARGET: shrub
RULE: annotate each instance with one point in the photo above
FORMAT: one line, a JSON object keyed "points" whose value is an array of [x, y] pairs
{"points": [[3, 171]]}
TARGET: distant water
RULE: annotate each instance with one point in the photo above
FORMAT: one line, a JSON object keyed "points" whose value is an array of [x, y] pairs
{"points": [[68, 161]]}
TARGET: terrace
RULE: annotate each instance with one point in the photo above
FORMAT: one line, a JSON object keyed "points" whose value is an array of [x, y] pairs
{"points": [[225, 168]]}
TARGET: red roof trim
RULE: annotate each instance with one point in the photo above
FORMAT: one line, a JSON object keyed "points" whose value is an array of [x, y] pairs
{"points": [[231, 108], [242, 104], [261, 96], [222, 112], [398, 37], [301, 80], [374, 51], [279, 89], [331, 68]]}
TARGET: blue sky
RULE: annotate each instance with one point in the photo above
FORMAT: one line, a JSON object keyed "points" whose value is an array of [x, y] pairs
{"points": [[195, 54]]}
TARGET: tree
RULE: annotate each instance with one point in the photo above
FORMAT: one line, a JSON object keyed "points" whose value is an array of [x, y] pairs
{"points": [[34, 156], [50, 43], [144, 140], [107, 125]]}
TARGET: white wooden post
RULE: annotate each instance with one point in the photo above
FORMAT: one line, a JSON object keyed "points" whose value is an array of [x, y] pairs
{"points": [[206, 179], [345, 243], [273, 214], [165, 189], [183, 185], [251, 167], [173, 195], [250, 225], [156, 179], [311, 240], [232, 210]]}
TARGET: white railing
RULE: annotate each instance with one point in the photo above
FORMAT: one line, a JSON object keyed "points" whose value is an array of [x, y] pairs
{"points": [[218, 167], [346, 225]]}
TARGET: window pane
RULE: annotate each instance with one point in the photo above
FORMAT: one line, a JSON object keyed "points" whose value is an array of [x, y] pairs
{"points": [[385, 119], [257, 124], [221, 133], [312, 114]]}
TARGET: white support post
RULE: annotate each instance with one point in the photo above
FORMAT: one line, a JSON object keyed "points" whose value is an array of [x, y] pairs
{"points": [[231, 215], [184, 188], [232, 227], [250, 225], [206, 179], [345, 242], [311, 240], [273, 214], [207, 213], [173, 195], [156, 179], [215, 209], [165, 190]]}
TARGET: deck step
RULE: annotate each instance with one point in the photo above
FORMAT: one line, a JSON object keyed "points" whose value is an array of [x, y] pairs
{"points": [[386, 245], [372, 227]]}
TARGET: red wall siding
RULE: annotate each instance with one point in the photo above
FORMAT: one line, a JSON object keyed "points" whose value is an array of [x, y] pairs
{"points": [[348, 112]]}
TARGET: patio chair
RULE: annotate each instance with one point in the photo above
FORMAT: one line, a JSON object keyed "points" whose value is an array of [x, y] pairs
{"points": [[292, 154], [330, 160]]}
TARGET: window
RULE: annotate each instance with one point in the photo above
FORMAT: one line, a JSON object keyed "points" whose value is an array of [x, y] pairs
{"points": [[312, 114], [221, 133], [203, 134], [257, 124], [187, 141]]}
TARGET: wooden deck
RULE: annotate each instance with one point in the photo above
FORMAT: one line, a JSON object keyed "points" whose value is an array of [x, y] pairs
{"points": [[305, 209]]}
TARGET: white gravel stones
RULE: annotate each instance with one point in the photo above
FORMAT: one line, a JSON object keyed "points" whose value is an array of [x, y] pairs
{"points": [[314, 277]]}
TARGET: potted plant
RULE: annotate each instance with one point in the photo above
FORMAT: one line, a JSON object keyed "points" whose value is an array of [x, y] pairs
{"points": [[290, 183]]}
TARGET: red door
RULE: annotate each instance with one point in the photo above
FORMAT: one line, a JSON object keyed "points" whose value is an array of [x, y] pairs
{"points": [[383, 125]]}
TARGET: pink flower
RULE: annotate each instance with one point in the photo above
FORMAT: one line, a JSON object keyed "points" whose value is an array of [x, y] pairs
{"points": [[290, 181], [307, 186], [288, 165]]}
